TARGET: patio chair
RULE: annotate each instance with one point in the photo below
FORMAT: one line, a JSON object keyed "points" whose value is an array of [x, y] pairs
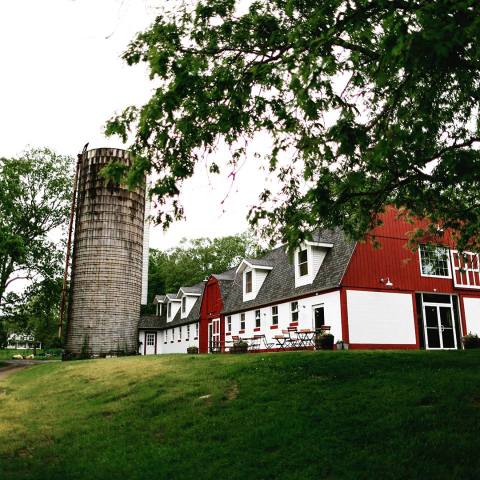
{"points": [[263, 341], [255, 343], [293, 341]]}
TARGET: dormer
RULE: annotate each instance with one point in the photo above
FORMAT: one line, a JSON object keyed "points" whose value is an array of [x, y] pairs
{"points": [[307, 261], [188, 296], [159, 302], [254, 273], [173, 306]]}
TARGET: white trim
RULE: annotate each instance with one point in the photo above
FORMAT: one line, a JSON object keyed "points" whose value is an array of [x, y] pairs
{"points": [[314, 307], [246, 264], [319, 244], [434, 276], [437, 305], [457, 269]]}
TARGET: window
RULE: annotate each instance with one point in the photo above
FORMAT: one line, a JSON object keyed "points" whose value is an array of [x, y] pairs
{"points": [[229, 324], [275, 315], [188, 332], [150, 339], [434, 261], [165, 338], [248, 282], [184, 304], [196, 330], [169, 309], [173, 334], [302, 263], [179, 333], [160, 309], [257, 319], [242, 321], [294, 310]]}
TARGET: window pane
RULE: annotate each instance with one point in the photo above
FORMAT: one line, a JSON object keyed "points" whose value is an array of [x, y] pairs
{"points": [[248, 282], [303, 263], [434, 260]]}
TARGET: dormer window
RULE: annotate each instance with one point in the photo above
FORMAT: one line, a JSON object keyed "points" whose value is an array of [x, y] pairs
{"points": [[303, 262], [184, 304], [169, 309], [248, 282]]}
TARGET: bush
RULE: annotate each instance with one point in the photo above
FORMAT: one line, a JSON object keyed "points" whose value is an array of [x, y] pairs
{"points": [[471, 341], [324, 341], [192, 350], [239, 347]]}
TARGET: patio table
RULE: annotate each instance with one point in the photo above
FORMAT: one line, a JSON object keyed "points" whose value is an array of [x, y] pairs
{"points": [[281, 341], [306, 338]]}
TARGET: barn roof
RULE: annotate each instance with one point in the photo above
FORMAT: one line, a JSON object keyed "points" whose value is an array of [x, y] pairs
{"points": [[279, 285]]}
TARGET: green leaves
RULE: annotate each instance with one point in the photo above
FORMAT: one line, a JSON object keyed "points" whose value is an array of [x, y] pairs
{"points": [[35, 196], [371, 102]]}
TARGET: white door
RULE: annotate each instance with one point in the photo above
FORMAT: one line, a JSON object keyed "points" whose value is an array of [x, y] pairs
{"points": [[150, 343], [214, 336]]}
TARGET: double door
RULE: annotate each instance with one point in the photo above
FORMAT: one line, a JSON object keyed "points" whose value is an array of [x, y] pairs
{"points": [[214, 344], [439, 325]]}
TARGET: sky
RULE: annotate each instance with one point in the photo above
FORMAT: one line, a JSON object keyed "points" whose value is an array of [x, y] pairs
{"points": [[62, 78]]}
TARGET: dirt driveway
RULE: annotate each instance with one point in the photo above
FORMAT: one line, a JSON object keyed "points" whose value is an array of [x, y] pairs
{"points": [[8, 370]]}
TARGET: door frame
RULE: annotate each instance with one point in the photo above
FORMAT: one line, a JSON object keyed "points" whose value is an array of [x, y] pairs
{"points": [[145, 342], [440, 331], [317, 305], [211, 335]]}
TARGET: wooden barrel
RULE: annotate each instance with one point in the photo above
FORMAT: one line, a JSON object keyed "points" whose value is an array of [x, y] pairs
{"points": [[106, 279]]}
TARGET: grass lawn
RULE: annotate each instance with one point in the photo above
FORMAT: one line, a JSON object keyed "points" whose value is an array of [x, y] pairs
{"points": [[298, 415]]}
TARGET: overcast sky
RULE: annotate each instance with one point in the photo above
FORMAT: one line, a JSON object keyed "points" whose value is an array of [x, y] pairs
{"points": [[61, 79]]}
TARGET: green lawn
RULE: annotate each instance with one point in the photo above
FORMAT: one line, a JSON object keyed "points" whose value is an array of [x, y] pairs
{"points": [[299, 415]]}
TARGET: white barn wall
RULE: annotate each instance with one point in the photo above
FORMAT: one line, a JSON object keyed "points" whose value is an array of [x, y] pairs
{"points": [[331, 302], [380, 318], [169, 347], [472, 314]]}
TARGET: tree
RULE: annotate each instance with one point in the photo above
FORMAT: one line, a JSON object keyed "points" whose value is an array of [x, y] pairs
{"points": [[366, 102], [194, 260], [35, 312], [35, 194]]}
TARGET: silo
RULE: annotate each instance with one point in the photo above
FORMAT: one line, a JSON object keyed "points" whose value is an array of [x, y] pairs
{"points": [[106, 278]]}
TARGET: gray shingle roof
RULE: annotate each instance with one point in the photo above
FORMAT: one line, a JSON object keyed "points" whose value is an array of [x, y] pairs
{"points": [[160, 322], [261, 262], [196, 289], [279, 285]]}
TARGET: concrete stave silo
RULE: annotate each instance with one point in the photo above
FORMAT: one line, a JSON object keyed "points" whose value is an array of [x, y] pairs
{"points": [[106, 278]]}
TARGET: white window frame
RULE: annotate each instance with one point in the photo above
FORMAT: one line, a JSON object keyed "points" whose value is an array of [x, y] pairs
{"points": [[196, 330], [229, 324], [180, 333], [249, 272], [430, 275], [188, 332], [292, 311], [274, 315], [173, 335], [258, 319], [242, 320], [465, 271], [300, 274]]}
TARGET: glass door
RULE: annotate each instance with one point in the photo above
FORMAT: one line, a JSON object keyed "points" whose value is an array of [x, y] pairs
{"points": [[439, 326]]}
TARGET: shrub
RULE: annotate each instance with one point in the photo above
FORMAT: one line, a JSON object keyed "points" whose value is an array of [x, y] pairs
{"points": [[192, 350], [471, 341], [239, 347], [324, 341]]}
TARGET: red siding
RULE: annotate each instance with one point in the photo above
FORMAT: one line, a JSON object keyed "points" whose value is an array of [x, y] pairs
{"points": [[211, 307], [393, 260]]}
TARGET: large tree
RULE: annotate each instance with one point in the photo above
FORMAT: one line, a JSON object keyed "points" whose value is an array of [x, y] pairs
{"points": [[35, 194], [366, 103], [194, 260]]}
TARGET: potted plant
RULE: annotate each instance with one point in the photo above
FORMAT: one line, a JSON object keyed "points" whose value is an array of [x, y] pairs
{"points": [[192, 350], [239, 347], [341, 345], [471, 341], [324, 341]]}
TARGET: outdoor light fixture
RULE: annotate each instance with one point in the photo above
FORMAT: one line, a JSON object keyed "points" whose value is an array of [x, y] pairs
{"points": [[386, 282]]}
